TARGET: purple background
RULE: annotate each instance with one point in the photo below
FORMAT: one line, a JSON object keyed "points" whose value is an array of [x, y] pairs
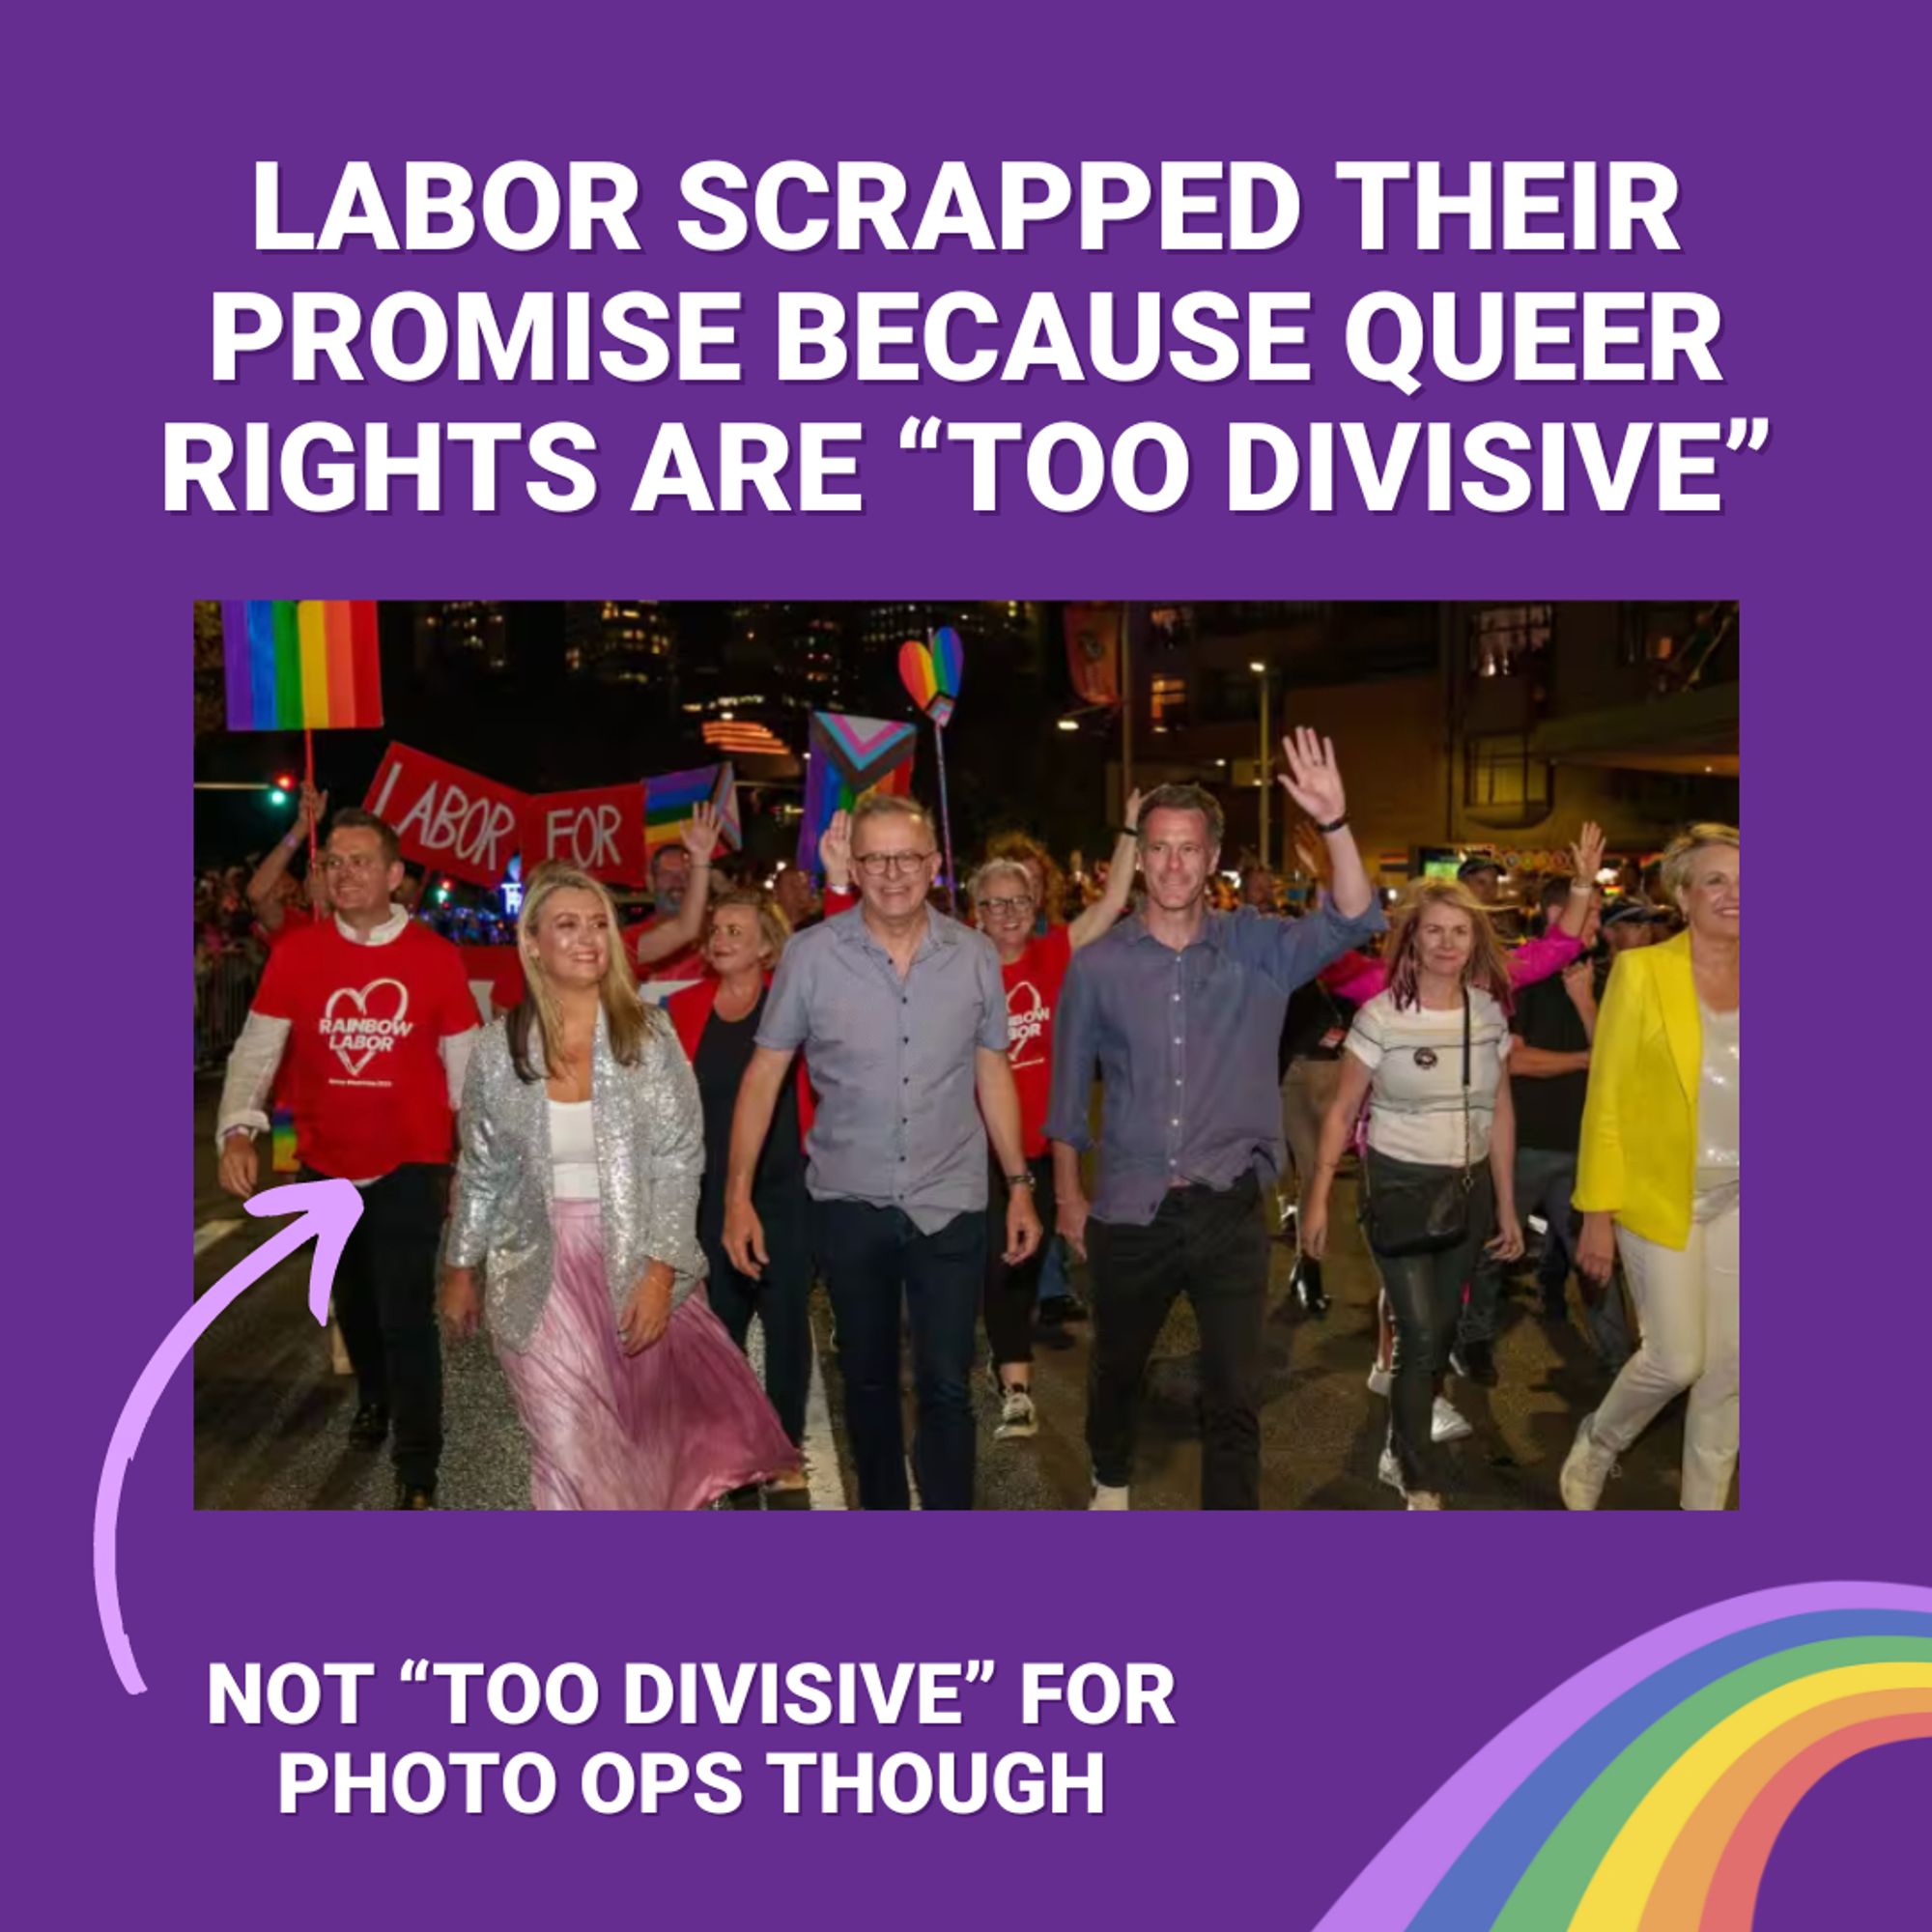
{"points": [[1303, 1742]]}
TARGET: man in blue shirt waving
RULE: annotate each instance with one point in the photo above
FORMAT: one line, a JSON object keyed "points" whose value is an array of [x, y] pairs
{"points": [[1180, 1010]]}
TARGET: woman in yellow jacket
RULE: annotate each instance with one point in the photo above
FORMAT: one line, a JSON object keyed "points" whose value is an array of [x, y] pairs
{"points": [[1656, 1177]]}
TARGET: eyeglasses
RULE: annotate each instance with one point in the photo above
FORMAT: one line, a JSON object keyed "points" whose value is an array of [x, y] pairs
{"points": [[876, 864], [356, 861], [1005, 906]]}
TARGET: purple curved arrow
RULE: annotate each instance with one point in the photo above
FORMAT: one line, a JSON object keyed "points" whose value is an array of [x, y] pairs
{"points": [[327, 1210]]}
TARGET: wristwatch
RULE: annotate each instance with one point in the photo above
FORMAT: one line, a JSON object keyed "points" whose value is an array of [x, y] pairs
{"points": [[1020, 1180], [1334, 825]]}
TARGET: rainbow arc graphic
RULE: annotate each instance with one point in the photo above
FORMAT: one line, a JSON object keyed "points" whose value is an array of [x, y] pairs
{"points": [[1646, 1793], [303, 665]]}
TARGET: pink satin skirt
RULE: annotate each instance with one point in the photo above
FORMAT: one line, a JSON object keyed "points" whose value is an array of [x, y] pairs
{"points": [[671, 1428]]}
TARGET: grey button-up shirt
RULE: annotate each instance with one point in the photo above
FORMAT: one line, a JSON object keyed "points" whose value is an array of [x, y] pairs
{"points": [[1185, 1044], [893, 1061]]}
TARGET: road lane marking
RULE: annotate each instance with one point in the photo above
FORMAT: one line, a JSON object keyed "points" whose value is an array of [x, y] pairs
{"points": [[210, 1232]]}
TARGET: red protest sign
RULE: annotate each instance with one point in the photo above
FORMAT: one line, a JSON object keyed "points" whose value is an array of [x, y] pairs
{"points": [[600, 831], [447, 818]]}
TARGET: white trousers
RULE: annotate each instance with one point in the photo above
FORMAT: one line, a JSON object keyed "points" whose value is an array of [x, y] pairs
{"points": [[1686, 1306]]}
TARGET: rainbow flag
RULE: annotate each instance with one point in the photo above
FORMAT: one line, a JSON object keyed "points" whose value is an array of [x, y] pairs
{"points": [[670, 797], [302, 667], [850, 755], [282, 1142]]}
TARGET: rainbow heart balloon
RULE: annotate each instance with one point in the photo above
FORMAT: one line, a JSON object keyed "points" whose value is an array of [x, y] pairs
{"points": [[930, 673]]}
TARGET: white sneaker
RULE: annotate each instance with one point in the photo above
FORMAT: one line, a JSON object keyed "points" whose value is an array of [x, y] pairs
{"points": [[1107, 1497], [1586, 1469], [1016, 1416], [1388, 1469], [1424, 1499], [1447, 1423], [1380, 1380]]}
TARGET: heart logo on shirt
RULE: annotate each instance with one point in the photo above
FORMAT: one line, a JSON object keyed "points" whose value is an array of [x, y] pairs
{"points": [[1027, 1015], [373, 1030]]}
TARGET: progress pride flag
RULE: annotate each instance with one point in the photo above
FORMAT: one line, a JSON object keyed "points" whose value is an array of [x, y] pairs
{"points": [[447, 818], [600, 831]]}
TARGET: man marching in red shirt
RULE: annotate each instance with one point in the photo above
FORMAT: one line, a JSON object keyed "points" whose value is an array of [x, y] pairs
{"points": [[374, 1019]]}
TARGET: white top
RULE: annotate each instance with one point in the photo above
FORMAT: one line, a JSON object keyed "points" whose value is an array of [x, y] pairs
{"points": [[573, 1150], [1718, 1113], [1416, 1100]]}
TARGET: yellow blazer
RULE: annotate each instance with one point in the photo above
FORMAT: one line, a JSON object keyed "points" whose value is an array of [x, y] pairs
{"points": [[1638, 1156]]}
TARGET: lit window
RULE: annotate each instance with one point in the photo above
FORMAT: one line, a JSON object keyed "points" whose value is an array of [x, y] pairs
{"points": [[1503, 637]]}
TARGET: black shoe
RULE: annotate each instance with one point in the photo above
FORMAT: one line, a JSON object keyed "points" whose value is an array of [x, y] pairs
{"points": [[1061, 1308], [414, 1495], [1307, 1287], [370, 1429], [1475, 1362]]}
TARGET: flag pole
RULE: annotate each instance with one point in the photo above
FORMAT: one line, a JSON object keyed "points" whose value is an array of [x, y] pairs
{"points": [[308, 756], [945, 809]]}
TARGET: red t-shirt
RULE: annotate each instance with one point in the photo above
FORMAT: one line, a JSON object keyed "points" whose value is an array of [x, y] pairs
{"points": [[686, 965], [364, 1067], [1033, 990]]}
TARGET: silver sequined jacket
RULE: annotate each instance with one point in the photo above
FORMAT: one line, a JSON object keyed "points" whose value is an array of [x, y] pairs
{"points": [[650, 1159]]}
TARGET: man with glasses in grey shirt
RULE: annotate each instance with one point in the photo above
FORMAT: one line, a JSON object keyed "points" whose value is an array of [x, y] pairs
{"points": [[902, 1017], [1180, 1010]]}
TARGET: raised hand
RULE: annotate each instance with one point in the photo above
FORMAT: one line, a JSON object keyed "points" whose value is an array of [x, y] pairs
{"points": [[1132, 818], [834, 850], [1586, 855], [1313, 779], [312, 810], [701, 833]]}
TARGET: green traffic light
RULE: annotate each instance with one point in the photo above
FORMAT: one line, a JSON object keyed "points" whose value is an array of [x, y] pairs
{"points": [[277, 796]]}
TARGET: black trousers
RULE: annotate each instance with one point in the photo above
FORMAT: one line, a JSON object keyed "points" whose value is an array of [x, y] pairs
{"points": [[1424, 1296], [385, 1304], [1209, 1245], [875, 1261], [781, 1298], [1011, 1293]]}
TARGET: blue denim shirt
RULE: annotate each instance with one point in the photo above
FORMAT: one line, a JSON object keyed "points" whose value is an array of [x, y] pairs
{"points": [[1185, 1045], [894, 1062]]}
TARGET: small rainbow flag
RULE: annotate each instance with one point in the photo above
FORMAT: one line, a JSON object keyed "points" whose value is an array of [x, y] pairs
{"points": [[670, 797], [302, 667], [282, 1141]]}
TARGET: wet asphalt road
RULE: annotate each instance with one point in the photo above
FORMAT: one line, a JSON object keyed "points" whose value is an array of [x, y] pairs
{"points": [[270, 1408]]}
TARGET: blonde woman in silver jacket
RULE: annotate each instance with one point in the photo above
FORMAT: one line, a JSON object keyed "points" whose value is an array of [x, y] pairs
{"points": [[581, 1148]]}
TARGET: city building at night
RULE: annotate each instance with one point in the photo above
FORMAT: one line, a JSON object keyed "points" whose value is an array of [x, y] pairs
{"points": [[622, 641], [1459, 724], [462, 633]]}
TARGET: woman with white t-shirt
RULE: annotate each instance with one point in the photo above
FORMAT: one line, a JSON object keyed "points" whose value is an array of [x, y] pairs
{"points": [[583, 1148], [1429, 1055]]}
